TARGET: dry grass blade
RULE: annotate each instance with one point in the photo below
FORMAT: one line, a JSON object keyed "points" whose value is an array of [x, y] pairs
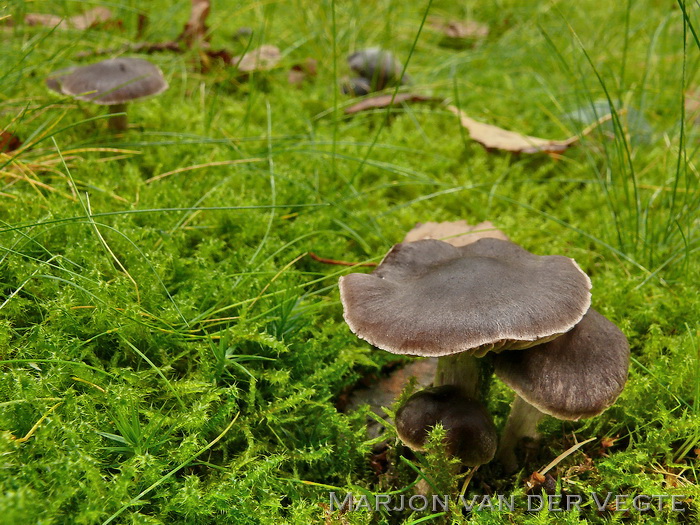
{"points": [[564, 455], [200, 166], [326, 260], [36, 426]]}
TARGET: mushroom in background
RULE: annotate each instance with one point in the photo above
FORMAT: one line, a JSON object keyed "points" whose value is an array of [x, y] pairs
{"points": [[577, 375], [357, 87], [378, 67], [470, 433], [113, 82]]}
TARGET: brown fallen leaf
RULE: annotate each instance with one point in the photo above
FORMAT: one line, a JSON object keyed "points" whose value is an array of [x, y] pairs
{"points": [[195, 29], [493, 137], [383, 101], [8, 142], [456, 233], [141, 25], [460, 30], [385, 391], [301, 72], [86, 20], [261, 58]]}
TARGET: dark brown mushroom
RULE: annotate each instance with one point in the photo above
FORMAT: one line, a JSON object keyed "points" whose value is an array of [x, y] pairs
{"points": [[577, 375], [470, 433], [113, 82], [379, 67]]}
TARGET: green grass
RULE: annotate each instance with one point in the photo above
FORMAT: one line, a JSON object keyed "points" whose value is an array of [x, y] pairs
{"points": [[184, 358]]}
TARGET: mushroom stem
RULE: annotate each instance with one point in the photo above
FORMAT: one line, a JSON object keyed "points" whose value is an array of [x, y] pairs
{"points": [[522, 423], [462, 370], [118, 122]]}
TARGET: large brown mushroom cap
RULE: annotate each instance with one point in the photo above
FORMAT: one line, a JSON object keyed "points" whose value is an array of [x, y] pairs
{"points": [[430, 298], [110, 82], [577, 375]]}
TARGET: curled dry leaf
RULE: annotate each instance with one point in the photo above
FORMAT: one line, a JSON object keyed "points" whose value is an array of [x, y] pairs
{"points": [[456, 233], [86, 20], [300, 72], [385, 392], [195, 29], [383, 101], [259, 59], [8, 142], [493, 137], [460, 30]]}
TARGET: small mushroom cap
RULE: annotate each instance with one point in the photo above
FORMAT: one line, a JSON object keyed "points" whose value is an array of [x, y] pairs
{"points": [[357, 87], [112, 81], [577, 375], [430, 298], [378, 66], [456, 233], [469, 431]]}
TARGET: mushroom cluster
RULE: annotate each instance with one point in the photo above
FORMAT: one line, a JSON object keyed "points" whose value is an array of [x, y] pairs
{"points": [[479, 302]]}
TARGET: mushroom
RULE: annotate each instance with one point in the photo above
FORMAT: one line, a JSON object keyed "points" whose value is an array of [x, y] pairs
{"points": [[430, 298], [357, 87], [379, 67], [577, 375], [112, 82], [470, 433]]}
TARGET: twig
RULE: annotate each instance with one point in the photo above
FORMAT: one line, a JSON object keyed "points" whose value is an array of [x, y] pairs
{"points": [[341, 263]]}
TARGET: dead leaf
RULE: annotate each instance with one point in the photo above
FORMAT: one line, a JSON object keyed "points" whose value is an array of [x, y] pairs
{"points": [[195, 29], [300, 72], [141, 25], [466, 30], [537, 483], [8, 142], [86, 20], [262, 58], [493, 137], [607, 442], [456, 233], [384, 392], [383, 101]]}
